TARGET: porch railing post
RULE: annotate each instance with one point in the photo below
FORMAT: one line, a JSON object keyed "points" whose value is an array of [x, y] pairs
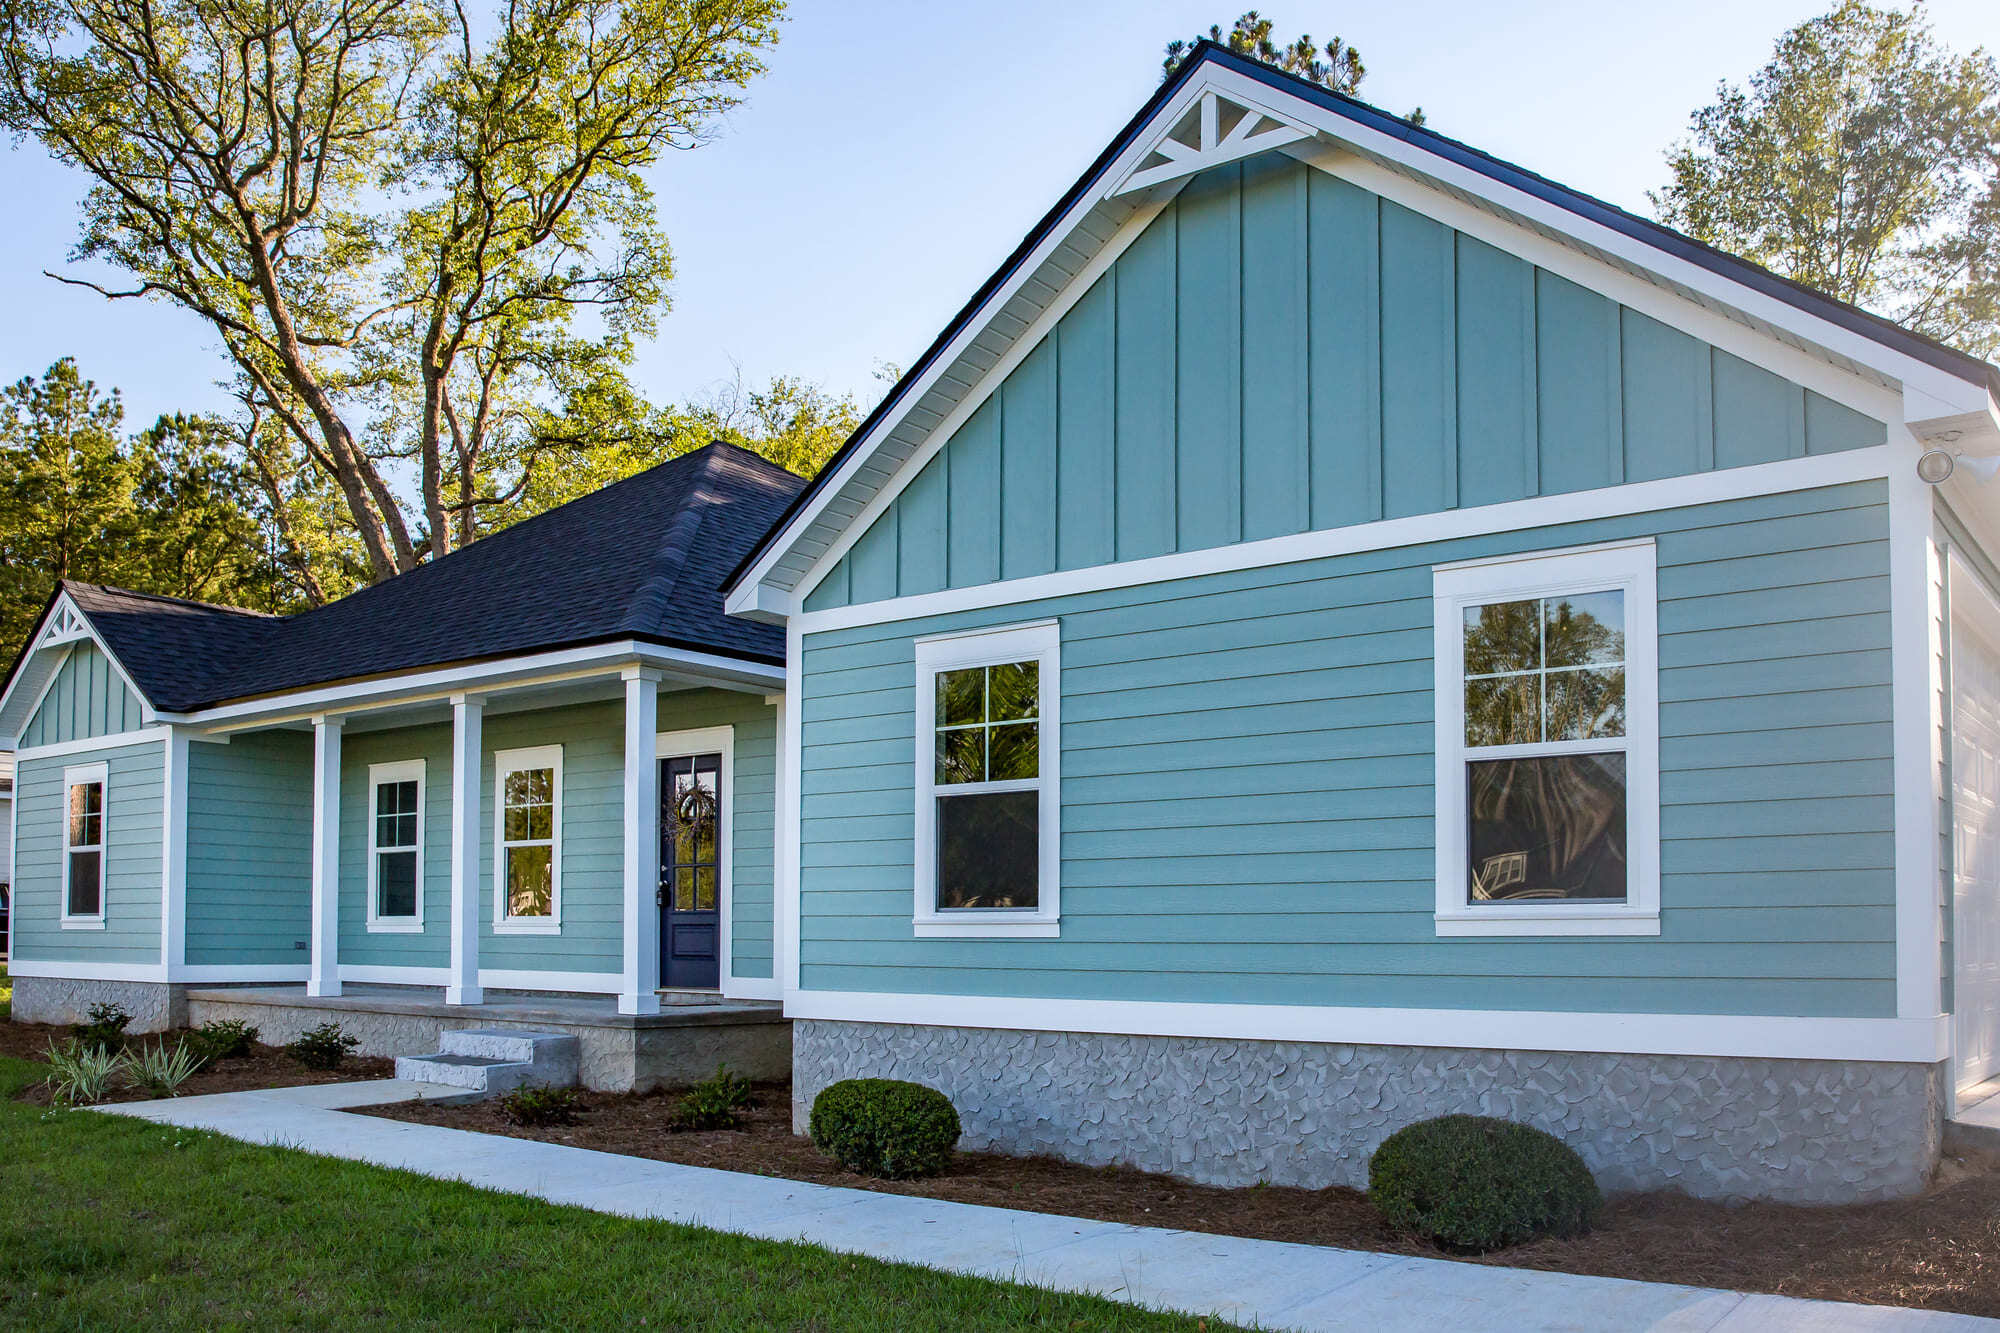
{"points": [[639, 992], [323, 972], [467, 771]]}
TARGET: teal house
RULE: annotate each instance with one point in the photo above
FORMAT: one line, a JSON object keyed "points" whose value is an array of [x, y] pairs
{"points": [[532, 782], [1341, 629]]}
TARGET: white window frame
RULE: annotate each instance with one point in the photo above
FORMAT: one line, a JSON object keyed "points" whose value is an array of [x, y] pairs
{"points": [[1631, 568], [75, 776], [379, 775], [1039, 642], [507, 762]]}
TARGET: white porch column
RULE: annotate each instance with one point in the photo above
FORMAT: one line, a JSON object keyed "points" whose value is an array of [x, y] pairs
{"points": [[639, 993], [468, 714], [323, 973]]}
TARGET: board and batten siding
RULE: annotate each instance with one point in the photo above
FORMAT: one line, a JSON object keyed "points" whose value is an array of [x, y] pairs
{"points": [[1248, 803], [249, 850], [132, 859], [1282, 351], [87, 699]]}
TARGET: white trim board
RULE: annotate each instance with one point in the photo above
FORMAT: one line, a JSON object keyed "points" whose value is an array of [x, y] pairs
{"points": [[1897, 1040], [1795, 474], [117, 740]]}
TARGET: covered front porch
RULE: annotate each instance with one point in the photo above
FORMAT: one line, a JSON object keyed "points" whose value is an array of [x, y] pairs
{"points": [[595, 826]]}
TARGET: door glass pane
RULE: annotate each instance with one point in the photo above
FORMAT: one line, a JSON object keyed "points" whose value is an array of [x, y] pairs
{"points": [[684, 890], [704, 883], [530, 886], [86, 888], [1583, 628], [396, 884], [988, 850], [1547, 828]]}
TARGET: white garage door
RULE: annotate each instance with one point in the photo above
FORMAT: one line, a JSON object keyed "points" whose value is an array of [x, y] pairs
{"points": [[1975, 767]]}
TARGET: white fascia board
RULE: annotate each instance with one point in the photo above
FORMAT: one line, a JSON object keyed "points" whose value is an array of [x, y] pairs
{"points": [[1937, 384], [511, 672], [17, 689]]}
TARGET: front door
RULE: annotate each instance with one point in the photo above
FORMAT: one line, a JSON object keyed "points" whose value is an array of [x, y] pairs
{"points": [[690, 871]]}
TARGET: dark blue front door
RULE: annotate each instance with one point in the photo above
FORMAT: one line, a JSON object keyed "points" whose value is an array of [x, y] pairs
{"points": [[691, 871]]}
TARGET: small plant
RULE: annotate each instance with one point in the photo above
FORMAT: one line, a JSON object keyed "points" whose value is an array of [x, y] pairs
{"points": [[224, 1039], [885, 1127], [714, 1102], [106, 1029], [156, 1070], [540, 1105], [1473, 1183], [321, 1048], [81, 1075]]}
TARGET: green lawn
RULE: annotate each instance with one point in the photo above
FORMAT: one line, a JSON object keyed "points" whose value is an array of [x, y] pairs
{"points": [[109, 1222]]}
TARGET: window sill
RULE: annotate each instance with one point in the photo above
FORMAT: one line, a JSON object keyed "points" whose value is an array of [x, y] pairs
{"points": [[1017, 928], [527, 927], [1547, 922], [395, 927], [83, 923]]}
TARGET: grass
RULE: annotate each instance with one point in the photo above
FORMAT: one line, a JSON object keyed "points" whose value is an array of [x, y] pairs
{"points": [[137, 1225]]}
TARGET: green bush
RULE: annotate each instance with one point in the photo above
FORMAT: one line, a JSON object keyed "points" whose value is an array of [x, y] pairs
{"points": [[321, 1048], [714, 1102], [1473, 1183], [158, 1071], [224, 1039], [81, 1075], [540, 1105], [106, 1029], [885, 1127]]}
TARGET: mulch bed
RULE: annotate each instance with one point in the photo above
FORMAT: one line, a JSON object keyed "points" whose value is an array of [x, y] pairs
{"points": [[1940, 1249], [264, 1067]]}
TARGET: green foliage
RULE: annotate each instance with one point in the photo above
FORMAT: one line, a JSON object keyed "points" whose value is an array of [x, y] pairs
{"points": [[1340, 69], [321, 1048], [714, 1102], [105, 1029], [158, 1071], [540, 1105], [80, 1074], [224, 1039], [1863, 159], [885, 1127], [1474, 1183]]}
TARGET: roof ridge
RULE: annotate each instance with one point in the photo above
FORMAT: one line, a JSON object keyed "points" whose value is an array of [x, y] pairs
{"points": [[170, 598], [656, 591]]}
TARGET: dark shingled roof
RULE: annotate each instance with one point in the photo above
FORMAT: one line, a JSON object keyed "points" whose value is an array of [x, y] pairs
{"points": [[643, 559]]}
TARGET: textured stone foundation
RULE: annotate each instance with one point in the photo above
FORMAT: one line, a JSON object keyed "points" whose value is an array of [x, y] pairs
{"points": [[1224, 1112], [155, 1006]]}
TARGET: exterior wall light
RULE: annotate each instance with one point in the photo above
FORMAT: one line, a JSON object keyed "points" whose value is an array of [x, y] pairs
{"points": [[1937, 465]]}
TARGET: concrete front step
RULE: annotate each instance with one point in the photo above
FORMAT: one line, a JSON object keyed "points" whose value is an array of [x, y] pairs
{"points": [[491, 1062]]}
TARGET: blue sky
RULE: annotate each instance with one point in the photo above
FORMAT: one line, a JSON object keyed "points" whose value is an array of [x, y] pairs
{"points": [[897, 151]]}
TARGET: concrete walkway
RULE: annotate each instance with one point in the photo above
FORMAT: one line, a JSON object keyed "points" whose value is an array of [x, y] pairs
{"points": [[1267, 1284]]}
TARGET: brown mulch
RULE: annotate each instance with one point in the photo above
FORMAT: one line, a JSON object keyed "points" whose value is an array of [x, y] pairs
{"points": [[1940, 1249], [264, 1067]]}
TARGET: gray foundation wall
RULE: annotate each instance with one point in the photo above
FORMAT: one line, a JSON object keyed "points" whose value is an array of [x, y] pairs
{"points": [[155, 1006], [1224, 1112]]}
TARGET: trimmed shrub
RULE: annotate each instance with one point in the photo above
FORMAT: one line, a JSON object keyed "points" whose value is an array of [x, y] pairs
{"points": [[106, 1029], [321, 1048], [713, 1102], [224, 1039], [540, 1105], [885, 1127], [1473, 1183]]}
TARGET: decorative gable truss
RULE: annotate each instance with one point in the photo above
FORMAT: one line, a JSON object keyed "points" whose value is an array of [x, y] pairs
{"points": [[1215, 130], [66, 625], [63, 628]]}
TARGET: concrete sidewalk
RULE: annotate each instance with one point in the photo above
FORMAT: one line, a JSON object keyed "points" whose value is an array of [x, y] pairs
{"points": [[1267, 1284]]}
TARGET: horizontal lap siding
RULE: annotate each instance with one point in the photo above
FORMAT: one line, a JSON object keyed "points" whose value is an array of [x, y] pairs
{"points": [[249, 850], [132, 861], [1281, 351], [430, 947], [756, 728], [1248, 804], [88, 699]]}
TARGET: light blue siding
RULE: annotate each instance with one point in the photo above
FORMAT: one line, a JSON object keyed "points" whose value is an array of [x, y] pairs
{"points": [[132, 859], [1248, 787], [249, 850], [1281, 351], [87, 699], [430, 947]]}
